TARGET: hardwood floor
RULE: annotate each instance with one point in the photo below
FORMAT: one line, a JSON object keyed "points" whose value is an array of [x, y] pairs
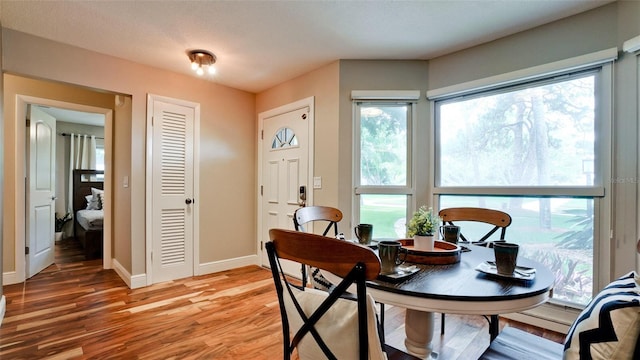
{"points": [[76, 310]]}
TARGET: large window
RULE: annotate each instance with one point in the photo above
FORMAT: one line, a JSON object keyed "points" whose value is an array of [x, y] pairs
{"points": [[537, 150], [382, 177]]}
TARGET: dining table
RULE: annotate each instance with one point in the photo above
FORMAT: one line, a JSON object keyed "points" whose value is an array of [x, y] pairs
{"points": [[460, 288]]}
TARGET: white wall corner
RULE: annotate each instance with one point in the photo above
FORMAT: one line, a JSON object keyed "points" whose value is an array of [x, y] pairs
{"points": [[217, 266], [3, 308]]}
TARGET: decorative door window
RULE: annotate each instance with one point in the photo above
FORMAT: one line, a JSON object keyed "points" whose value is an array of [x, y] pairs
{"points": [[284, 138]]}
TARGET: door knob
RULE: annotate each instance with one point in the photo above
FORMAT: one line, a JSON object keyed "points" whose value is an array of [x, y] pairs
{"points": [[188, 201], [54, 198]]}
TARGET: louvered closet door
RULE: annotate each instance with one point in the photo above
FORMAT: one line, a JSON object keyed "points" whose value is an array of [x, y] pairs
{"points": [[172, 253]]}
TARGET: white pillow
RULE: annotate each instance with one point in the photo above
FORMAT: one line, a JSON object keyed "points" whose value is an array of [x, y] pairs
{"points": [[338, 327], [609, 325], [91, 203], [97, 195]]}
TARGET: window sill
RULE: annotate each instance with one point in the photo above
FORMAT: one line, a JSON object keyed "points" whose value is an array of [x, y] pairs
{"points": [[552, 317]]}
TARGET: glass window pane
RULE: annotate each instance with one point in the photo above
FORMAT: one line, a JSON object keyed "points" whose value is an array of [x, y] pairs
{"points": [[535, 136], [383, 145], [557, 232], [387, 214]]}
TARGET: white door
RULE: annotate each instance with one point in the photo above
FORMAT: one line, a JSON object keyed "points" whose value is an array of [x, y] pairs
{"points": [[285, 169], [173, 191], [41, 191]]}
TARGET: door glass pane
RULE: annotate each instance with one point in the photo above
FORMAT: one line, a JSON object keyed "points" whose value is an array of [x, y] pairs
{"points": [[557, 232], [387, 214], [535, 136], [383, 145]]}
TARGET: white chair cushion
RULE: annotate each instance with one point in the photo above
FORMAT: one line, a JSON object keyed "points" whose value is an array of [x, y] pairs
{"points": [[338, 327], [609, 326]]}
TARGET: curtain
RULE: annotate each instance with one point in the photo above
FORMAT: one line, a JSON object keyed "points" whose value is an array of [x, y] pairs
{"points": [[82, 155]]}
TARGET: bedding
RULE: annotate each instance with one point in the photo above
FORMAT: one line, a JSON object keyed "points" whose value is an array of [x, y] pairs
{"points": [[90, 219]]}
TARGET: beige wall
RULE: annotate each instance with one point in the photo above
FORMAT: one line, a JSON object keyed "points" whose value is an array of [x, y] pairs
{"points": [[577, 35], [322, 84], [227, 140], [121, 158]]}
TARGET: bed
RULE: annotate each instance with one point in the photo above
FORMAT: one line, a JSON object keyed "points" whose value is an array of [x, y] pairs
{"points": [[88, 217]]}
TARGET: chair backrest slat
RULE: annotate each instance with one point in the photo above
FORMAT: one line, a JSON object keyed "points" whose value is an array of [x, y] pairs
{"points": [[499, 219], [304, 215]]}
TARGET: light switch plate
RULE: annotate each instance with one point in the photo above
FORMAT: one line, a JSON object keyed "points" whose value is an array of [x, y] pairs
{"points": [[317, 182]]}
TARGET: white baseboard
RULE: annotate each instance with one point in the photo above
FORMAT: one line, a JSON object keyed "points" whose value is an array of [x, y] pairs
{"points": [[138, 281], [222, 265], [10, 278], [133, 282], [3, 308], [122, 272]]}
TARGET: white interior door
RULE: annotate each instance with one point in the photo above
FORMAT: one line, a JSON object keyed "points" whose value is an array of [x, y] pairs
{"points": [[173, 191], [41, 191], [285, 169]]}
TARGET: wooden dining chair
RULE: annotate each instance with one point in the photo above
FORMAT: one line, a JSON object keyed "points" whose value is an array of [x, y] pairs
{"points": [[320, 324], [326, 215], [499, 219], [329, 216]]}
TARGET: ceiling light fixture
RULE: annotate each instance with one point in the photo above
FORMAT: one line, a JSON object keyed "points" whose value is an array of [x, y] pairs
{"points": [[201, 59]]}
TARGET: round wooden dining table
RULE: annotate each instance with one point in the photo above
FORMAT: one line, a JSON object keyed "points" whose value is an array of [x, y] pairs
{"points": [[460, 289]]}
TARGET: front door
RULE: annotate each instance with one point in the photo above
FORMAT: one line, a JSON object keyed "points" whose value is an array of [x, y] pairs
{"points": [[41, 191], [173, 191], [285, 169]]}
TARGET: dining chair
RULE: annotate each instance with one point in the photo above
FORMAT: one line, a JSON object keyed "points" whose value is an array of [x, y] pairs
{"points": [[331, 217], [321, 214], [326, 325], [499, 219]]}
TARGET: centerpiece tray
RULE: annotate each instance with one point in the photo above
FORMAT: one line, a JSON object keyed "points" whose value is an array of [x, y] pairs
{"points": [[443, 253]]}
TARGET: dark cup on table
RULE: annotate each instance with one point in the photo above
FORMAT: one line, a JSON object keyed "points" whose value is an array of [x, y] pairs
{"points": [[506, 257], [389, 252], [364, 233], [450, 233]]}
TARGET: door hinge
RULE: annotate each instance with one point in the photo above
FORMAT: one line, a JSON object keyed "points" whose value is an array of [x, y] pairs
{"points": [[260, 245], [153, 117], [261, 189], [262, 134], [28, 122], [26, 250]]}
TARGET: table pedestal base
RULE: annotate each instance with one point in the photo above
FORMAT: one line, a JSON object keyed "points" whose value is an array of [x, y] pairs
{"points": [[419, 332]]}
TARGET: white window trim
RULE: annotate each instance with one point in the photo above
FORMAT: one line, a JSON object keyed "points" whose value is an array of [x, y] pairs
{"points": [[602, 204], [363, 97]]}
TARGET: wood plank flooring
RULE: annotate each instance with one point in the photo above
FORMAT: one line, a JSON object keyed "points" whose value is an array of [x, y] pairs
{"points": [[76, 310]]}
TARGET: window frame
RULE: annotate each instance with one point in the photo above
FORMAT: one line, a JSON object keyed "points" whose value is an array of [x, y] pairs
{"points": [[383, 98], [600, 192]]}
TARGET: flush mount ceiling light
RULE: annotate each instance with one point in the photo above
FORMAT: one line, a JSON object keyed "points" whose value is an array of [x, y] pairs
{"points": [[201, 60]]}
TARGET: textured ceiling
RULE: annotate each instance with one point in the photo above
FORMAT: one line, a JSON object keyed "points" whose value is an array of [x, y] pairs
{"points": [[260, 44]]}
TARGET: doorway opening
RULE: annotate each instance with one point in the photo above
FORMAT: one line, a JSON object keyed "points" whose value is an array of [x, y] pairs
{"points": [[72, 117]]}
